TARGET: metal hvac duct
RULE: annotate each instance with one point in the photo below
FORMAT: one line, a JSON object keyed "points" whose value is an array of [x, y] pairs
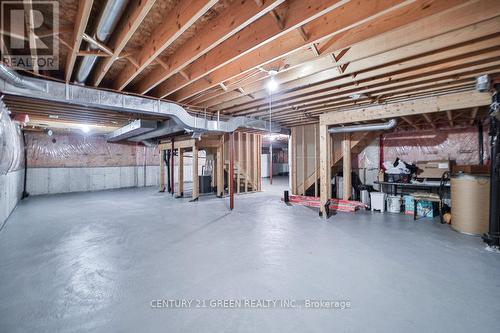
{"points": [[14, 84], [364, 128], [8, 75], [109, 19]]}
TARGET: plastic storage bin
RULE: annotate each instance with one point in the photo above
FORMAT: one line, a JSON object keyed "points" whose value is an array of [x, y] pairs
{"points": [[378, 201]]}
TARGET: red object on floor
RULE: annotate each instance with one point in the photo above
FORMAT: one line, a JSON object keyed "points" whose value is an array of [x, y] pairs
{"points": [[335, 204]]}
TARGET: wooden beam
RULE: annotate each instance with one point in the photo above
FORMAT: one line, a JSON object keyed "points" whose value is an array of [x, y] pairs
{"points": [[179, 19], [162, 170], [180, 174], [262, 32], [259, 152], [303, 34], [230, 177], [133, 19], [184, 75], [222, 27], [256, 162], [428, 118], [396, 45], [325, 167], [97, 44], [279, 47], [316, 160], [188, 143], [373, 70], [450, 117], [314, 50], [247, 160], [473, 114], [238, 177], [277, 19], [293, 159], [304, 161], [346, 166], [172, 165], [196, 182], [30, 27], [409, 122], [82, 17], [99, 54], [418, 106], [220, 168]]}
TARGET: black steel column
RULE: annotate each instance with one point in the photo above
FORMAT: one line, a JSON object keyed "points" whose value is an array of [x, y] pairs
{"points": [[492, 238]]}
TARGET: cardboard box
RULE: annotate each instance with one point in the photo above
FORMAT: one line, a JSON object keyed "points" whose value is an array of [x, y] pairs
{"points": [[432, 169], [472, 169], [409, 202], [425, 209]]}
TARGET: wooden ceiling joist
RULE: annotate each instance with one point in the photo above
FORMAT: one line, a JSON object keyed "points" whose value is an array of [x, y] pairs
{"points": [[428, 119], [30, 28], [394, 45], [263, 33], [374, 78], [82, 17], [119, 40], [180, 18], [388, 14], [473, 115], [225, 25]]}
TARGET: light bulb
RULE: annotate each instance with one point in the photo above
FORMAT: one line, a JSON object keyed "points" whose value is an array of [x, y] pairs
{"points": [[272, 85]]}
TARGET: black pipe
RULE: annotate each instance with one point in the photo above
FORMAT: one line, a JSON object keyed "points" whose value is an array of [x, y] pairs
{"points": [[25, 192], [480, 141], [493, 237], [167, 161]]}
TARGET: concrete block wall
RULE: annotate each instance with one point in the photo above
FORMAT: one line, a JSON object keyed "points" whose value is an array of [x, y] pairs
{"points": [[11, 189]]}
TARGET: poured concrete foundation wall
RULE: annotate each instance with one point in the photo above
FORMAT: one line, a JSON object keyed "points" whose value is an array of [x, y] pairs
{"points": [[64, 163], [63, 180], [74, 162], [11, 189]]}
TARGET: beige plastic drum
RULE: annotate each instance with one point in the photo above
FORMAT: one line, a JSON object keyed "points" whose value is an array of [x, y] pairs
{"points": [[470, 202]]}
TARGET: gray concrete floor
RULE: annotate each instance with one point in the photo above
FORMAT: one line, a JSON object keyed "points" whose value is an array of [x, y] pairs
{"points": [[94, 262]]}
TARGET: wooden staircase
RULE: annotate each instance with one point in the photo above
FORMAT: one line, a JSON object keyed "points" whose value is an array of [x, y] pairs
{"points": [[359, 141], [251, 185]]}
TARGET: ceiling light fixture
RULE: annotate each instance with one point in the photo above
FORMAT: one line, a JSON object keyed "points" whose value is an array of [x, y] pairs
{"points": [[85, 129], [272, 85]]}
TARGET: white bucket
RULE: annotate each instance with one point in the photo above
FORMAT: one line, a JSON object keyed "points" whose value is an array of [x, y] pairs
{"points": [[393, 203]]}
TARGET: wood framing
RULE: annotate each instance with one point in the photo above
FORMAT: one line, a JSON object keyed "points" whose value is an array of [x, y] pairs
{"points": [[180, 174], [239, 164], [361, 10], [184, 15], [162, 171], [325, 169], [119, 40], [346, 166], [418, 106], [226, 24], [220, 168], [84, 9], [196, 182], [262, 32]]}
